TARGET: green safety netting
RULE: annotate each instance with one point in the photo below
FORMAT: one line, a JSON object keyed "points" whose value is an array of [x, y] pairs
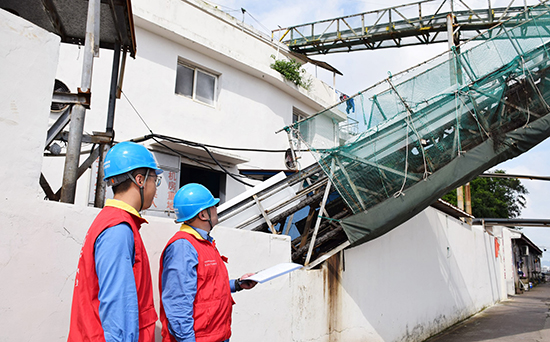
{"points": [[394, 148]]}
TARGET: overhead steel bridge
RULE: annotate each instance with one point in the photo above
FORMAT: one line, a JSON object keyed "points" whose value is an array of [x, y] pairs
{"points": [[424, 22]]}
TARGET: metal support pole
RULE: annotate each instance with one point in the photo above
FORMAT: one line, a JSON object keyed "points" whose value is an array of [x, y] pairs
{"points": [[460, 197], [99, 200], [91, 49], [264, 214], [289, 224], [468, 200], [121, 78], [328, 255], [453, 65], [334, 86], [72, 160], [294, 157], [114, 89], [450, 32], [318, 223]]}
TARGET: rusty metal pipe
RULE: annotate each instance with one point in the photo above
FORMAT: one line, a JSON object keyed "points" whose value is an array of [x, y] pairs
{"points": [[91, 49]]}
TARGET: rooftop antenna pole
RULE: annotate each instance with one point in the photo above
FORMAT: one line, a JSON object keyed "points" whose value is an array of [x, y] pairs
{"points": [[91, 50]]}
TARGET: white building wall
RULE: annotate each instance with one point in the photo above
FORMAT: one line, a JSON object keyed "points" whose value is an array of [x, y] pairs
{"points": [[28, 58], [504, 237], [420, 278]]}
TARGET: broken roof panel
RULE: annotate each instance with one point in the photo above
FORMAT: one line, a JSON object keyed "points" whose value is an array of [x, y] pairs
{"points": [[67, 19]]}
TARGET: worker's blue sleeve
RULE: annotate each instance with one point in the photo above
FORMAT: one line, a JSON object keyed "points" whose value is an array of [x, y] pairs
{"points": [[118, 305], [179, 287]]}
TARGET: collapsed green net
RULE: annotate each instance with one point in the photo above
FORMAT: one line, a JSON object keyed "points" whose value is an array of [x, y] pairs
{"points": [[386, 138]]}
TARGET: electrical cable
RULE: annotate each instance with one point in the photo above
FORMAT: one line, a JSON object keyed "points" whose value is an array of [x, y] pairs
{"points": [[176, 140], [243, 10], [259, 23], [205, 165], [192, 143], [199, 145], [218, 5], [135, 110]]}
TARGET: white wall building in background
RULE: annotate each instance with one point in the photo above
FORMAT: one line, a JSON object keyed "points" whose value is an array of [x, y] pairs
{"points": [[421, 277], [202, 76]]}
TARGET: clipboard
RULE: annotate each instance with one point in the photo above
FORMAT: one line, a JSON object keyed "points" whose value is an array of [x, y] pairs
{"points": [[274, 272]]}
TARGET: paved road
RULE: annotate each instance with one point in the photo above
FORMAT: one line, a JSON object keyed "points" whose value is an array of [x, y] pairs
{"points": [[524, 317]]}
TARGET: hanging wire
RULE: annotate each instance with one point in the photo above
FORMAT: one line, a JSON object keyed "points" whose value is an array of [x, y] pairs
{"points": [[229, 9], [211, 156], [136, 111], [400, 192], [192, 143], [259, 23], [181, 154]]}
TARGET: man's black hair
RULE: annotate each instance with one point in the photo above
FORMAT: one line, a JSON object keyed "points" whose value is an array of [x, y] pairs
{"points": [[124, 186]]}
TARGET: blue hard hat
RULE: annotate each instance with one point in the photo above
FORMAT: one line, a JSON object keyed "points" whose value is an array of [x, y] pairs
{"points": [[191, 199], [127, 156]]}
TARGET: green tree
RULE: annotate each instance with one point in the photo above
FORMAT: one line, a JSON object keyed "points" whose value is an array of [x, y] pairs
{"points": [[494, 197]]}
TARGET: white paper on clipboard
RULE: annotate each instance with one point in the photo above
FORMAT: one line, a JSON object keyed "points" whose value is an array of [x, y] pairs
{"points": [[274, 272]]}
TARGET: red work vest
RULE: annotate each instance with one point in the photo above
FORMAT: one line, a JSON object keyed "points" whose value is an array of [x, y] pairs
{"points": [[85, 322], [213, 301]]}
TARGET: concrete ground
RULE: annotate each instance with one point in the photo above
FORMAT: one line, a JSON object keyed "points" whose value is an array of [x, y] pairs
{"points": [[524, 317]]}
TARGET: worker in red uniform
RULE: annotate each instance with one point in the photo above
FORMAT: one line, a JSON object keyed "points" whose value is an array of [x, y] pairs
{"points": [[113, 296], [194, 286]]}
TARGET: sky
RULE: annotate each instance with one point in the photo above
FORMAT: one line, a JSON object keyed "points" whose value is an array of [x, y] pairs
{"points": [[362, 69]]}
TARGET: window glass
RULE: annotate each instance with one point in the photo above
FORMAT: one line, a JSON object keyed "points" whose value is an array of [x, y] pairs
{"points": [[206, 85], [298, 115], [184, 80], [211, 179]]}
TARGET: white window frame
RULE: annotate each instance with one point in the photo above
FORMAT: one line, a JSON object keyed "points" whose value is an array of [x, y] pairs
{"points": [[196, 69], [300, 115]]}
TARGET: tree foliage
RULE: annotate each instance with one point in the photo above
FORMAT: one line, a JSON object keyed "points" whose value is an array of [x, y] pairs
{"points": [[494, 197]]}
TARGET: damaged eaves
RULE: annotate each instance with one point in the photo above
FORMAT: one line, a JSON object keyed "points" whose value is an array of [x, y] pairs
{"points": [[67, 19]]}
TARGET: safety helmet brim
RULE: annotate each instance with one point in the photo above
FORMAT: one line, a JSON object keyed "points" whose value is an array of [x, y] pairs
{"points": [[128, 156]]}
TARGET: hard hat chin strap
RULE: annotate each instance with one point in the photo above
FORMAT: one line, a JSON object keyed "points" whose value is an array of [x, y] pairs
{"points": [[141, 187]]}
